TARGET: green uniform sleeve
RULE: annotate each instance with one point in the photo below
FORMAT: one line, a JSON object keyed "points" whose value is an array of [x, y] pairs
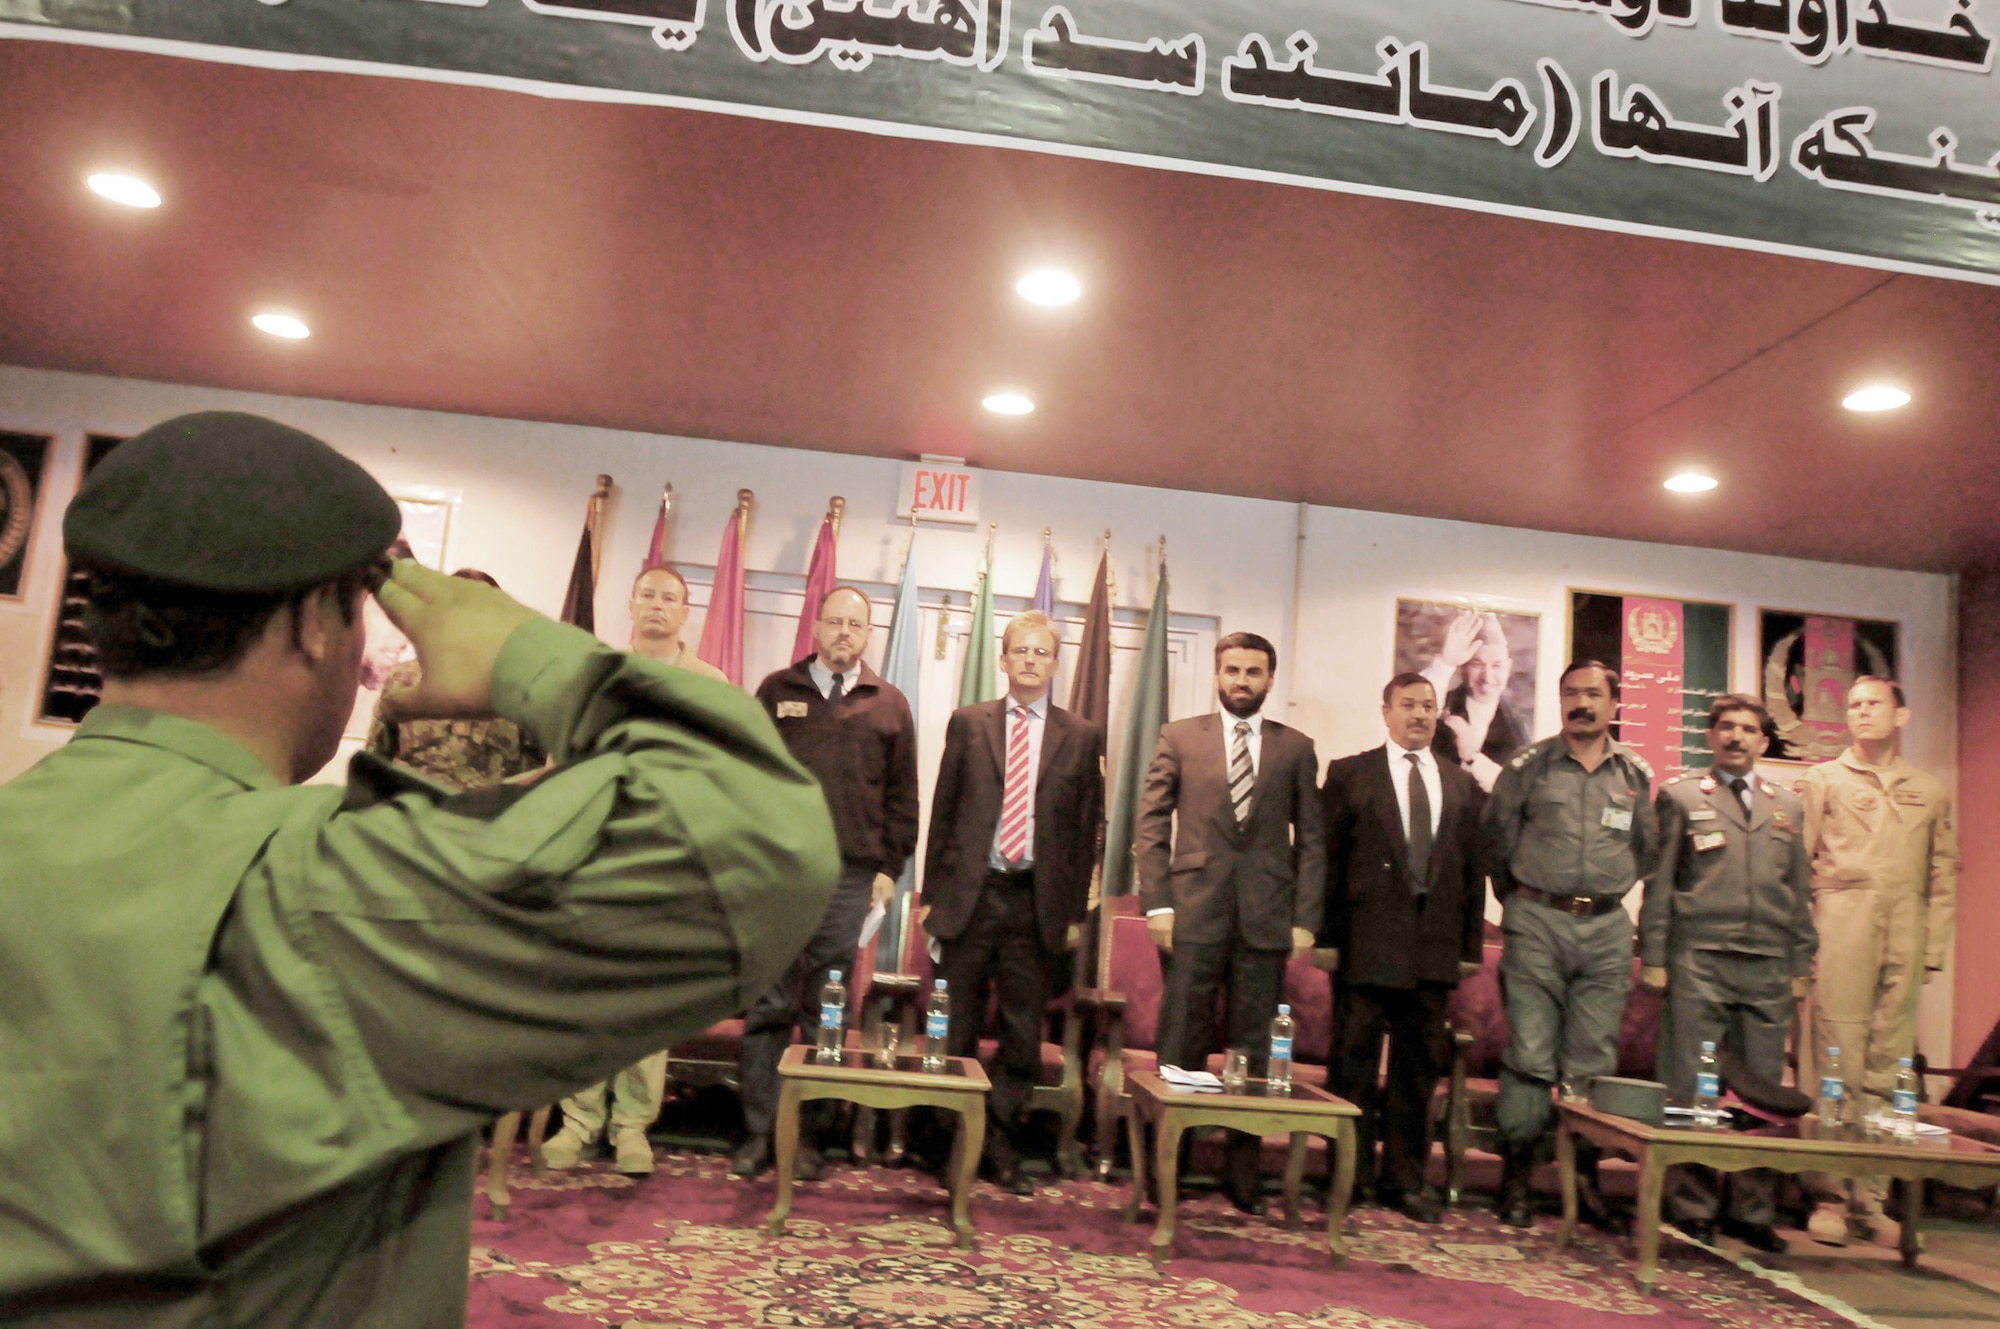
{"points": [[1942, 909], [1657, 911], [1805, 936], [500, 948]]}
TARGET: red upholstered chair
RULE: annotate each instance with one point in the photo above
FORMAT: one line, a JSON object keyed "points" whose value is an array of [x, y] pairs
{"points": [[1130, 985], [901, 996], [1478, 1020], [711, 1056]]}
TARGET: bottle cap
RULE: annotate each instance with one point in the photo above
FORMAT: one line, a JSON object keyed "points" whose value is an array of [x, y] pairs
{"points": [[1284, 1009], [1707, 1045], [835, 976], [1833, 1052], [1906, 1063], [940, 985]]}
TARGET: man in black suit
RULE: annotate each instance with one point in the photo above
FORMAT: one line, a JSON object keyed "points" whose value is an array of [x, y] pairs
{"points": [[1404, 903], [1007, 870], [1231, 867]]}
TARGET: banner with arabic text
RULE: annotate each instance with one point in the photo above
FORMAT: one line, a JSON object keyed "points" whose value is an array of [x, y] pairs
{"points": [[1860, 129]]}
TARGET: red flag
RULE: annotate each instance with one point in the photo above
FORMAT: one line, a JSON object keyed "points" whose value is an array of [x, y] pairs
{"points": [[722, 630], [656, 548], [820, 579]]}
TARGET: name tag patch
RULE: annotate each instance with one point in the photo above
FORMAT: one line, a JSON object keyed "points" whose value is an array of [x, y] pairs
{"points": [[1701, 814], [1909, 798], [1708, 840], [791, 710], [1618, 819]]}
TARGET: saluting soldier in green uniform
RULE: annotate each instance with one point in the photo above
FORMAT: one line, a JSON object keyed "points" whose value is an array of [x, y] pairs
{"points": [[251, 1029], [1569, 831], [1727, 933]]}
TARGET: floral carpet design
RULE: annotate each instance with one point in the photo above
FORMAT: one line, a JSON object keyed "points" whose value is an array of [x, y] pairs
{"points": [[870, 1248]]}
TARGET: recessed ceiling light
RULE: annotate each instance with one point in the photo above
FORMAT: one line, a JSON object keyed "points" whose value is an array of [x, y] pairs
{"points": [[1876, 397], [1691, 482], [121, 188], [1049, 286], [288, 326], [1008, 403]]}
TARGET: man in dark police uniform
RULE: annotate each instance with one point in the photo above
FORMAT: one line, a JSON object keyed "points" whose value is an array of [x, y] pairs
{"points": [[251, 1029]]}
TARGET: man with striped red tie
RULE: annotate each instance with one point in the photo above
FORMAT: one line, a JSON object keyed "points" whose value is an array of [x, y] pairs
{"points": [[1007, 869]]}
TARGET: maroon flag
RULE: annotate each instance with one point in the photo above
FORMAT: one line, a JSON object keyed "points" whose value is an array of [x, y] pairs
{"points": [[580, 600], [1090, 694], [722, 630], [820, 578]]}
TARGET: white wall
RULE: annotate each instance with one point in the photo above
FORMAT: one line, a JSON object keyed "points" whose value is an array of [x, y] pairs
{"points": [[1235, 563]]}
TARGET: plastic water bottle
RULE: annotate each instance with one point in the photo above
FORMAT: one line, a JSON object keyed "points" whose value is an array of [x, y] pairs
{"points": [[1278, 1074], [1832, 1089], [1905, 1101], [1707, 1089], [937, 1026], [832, 1013]]}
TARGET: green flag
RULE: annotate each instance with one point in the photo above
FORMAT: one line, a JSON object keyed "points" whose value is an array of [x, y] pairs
{"points": [[981, 679], [1135, 754]]}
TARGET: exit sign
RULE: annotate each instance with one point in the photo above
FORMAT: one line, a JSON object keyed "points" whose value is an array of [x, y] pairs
{"points": [[939, 491]]}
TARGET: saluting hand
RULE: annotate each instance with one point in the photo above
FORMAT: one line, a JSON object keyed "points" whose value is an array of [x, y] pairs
{"points": [[458, 627]]}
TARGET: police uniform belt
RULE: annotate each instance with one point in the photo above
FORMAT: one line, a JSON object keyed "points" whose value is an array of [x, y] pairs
{"points": [[1579, 906]]}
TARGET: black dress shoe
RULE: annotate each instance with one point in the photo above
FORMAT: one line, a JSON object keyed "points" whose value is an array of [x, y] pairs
{"points": [[1757, 1236], [1698, 1229], [808, 1165], [751, 1157], [1247, 1196], [1421, 1208], [1009, 1178], [1515, 1205]]}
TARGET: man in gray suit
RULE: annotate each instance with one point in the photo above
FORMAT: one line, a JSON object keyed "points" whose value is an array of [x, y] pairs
{"points": [[1727, 933], [1231, 859]]}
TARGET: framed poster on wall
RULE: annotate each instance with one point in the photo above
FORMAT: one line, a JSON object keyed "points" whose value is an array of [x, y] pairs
{"points": [[1672, 657], [1805, 664], [428, 517], [22, 460], [70, 682], [1481, 656]]}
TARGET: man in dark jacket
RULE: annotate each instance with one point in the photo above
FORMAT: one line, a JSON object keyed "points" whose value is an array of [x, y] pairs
{"points": [[855, 733], [1405, 899]]}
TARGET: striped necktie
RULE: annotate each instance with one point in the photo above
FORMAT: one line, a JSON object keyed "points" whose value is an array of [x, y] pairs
{"points": [[1019, 793], [1241, 775]]}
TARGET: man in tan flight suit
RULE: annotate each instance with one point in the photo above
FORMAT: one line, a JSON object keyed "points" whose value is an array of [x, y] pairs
{"points": [[252, 1027], [659, 610], [1885, 893]]}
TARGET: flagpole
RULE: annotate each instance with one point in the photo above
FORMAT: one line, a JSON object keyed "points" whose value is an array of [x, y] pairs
{"points": [[744, 498]]}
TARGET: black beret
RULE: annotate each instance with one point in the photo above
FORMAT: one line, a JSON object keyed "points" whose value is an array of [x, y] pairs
{"points": [[1757, 1092], [223, 501]]}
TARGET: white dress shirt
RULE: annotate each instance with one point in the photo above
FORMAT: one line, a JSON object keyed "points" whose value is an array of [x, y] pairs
{"points": [[823, 677], [1037, 722], [1399, 780]]}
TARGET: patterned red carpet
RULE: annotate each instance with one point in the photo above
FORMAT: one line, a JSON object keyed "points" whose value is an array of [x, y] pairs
{"points": [[870, 1248]]}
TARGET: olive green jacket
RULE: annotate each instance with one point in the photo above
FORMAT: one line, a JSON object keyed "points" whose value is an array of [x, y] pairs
{"points": [[249, 1031]]}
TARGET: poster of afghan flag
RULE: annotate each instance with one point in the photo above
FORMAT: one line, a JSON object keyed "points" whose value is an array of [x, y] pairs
{"points": [[1805, 664], [1672, 657]]}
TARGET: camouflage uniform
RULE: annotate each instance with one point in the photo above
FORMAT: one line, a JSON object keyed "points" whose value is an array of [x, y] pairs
{"points": [[465, 754]]}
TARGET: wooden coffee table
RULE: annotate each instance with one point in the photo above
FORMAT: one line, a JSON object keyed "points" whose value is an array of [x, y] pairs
{"points": [[960, 1087], [1802, 1146], [1308, 1111]]}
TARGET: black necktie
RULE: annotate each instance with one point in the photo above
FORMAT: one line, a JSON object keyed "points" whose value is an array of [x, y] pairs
{"points": [[833, 693], [1742, 788], [1420, 823]]}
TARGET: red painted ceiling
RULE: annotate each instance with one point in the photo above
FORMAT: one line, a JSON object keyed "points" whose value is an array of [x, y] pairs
{"points": [[689, 273]]}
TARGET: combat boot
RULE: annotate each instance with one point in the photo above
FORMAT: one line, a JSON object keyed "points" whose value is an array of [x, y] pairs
{"points": [[1516, 1205]]}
